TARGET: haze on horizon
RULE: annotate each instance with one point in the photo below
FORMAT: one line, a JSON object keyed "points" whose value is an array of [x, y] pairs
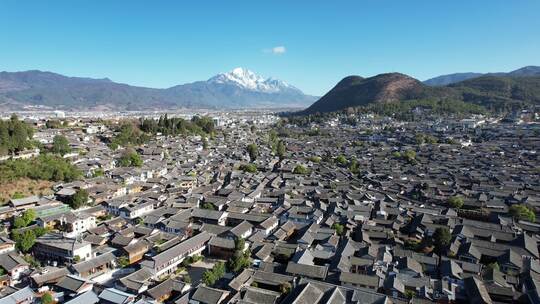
{"points": [[310, 45]]}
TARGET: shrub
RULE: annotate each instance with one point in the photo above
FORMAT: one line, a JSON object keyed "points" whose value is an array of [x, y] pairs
{"points": [[455, 202], [130, 158], [339, 228], [47, 298], [79, 199], [522, 212], [341, 160], [251, 168], [300, 170]]}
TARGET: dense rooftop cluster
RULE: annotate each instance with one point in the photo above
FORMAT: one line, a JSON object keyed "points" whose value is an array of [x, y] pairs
{"points": [[379, 211]]}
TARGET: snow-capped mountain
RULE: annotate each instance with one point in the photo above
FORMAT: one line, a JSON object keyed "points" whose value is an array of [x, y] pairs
{"points": [[248, 80], [239, 88]]}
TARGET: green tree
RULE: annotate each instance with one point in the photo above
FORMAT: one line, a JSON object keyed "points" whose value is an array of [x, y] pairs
{"points": [[25, 219], [239, 261], [522, 212], [209, 278], [281, 149], [285, 287], [79, 199], [130, 158], [410, 156], [47, 298], [409, 294], [353, 166], [339, 228], [24, 240], [205, 143], [341, 160], [300, 170], [493, 265], [32, 261], [251, 168], [240, 244], [441, 239], [29, 216], [187, 279], [253, 151], [315, 159], [60, 145], [15, 135], [98, 172], [18, 222], [208, 205], [44, 167], [123, 261], [455, 202]]}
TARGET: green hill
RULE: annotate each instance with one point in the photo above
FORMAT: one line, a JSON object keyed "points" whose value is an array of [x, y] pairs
{"points": [[492, 92]]}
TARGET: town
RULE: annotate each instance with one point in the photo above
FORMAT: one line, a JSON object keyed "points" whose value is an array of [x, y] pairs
{"points": [[250, 207]]}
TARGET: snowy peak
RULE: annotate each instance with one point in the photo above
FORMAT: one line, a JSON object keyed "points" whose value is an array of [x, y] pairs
{"points": [[248, 80]]}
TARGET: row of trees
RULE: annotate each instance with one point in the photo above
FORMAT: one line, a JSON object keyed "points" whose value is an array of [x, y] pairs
{"points": [[15, 135], [140, 132], [277, 145], [44, 167], [178, 126], [402, 110]]}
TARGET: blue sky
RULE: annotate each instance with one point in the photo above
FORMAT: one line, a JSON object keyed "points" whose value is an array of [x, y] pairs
{"points": [[310, 44]]}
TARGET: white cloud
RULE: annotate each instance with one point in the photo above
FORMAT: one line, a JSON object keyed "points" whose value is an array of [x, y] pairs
{"points": [[277, 50]]}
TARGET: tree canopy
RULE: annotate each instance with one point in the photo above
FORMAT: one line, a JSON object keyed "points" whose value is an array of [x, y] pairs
{"points": [[251, 168], [25, 219], [441, 239], [300, 169], [130, 158], [15, 135], [455, 202], [79, 199], [211, 276], [522, 212], [47, 298], [44, 167], [61, 145], [253, 151]]}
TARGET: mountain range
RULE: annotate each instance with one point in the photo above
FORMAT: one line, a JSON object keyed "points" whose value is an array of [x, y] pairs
{"points": [[239, 88], [457, 77], [493, 91]]}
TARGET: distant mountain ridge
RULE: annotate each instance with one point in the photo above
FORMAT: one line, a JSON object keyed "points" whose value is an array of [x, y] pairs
{"points": [[457, 77], [520, 87], [239, 88]]}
